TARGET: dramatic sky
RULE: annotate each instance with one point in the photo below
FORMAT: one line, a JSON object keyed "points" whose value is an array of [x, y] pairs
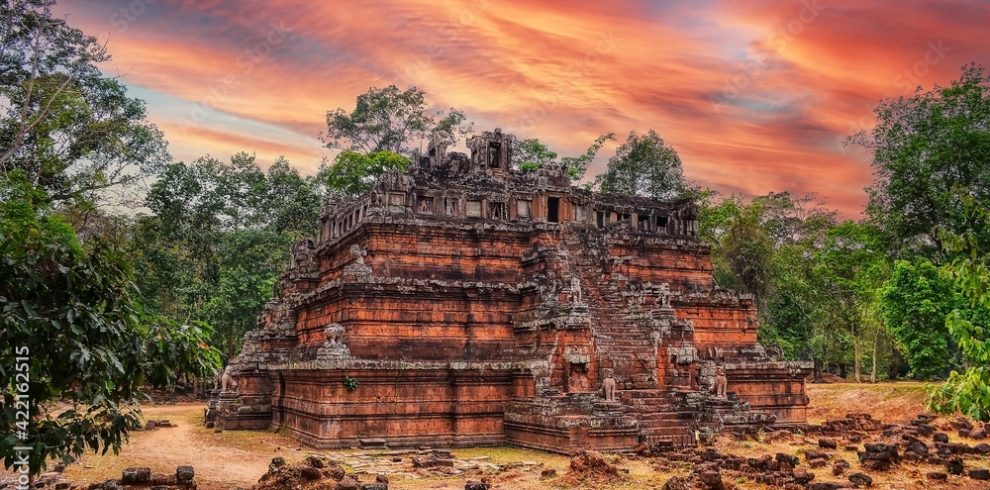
{"points": [[756, 96]]}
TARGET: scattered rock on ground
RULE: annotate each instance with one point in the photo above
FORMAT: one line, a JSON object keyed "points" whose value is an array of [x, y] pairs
{"points": [[592, 467], [860, 480], [879, 457], [954, 465], [676, 483], [311, 473]]}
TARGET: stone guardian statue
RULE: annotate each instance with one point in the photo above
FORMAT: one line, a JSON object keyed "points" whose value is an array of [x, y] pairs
{"points": [[608, 385], [721, 381], [228, 382]]}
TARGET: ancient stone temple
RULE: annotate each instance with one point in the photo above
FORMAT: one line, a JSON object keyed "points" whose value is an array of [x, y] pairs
{"points": [[465, 302]]}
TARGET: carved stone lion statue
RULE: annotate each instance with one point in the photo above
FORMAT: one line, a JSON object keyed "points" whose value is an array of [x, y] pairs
{"points": [[335, 335]]}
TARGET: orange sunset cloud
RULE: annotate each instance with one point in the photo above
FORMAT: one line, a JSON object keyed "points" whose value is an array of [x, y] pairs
{"points": [[756, 96]]}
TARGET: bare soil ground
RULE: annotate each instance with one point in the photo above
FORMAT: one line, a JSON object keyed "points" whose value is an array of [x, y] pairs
{"points": [[891, 402], [236, 459]]}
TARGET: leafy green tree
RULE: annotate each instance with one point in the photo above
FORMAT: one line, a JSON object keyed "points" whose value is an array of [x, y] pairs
{"points": [[70, 316], [968, 390], [577, 166], [812, 279], [850, 267], [791, 314], [248, 268], [354, 173], [394, 120], [644, 166], [924, 147], [175, 350], [293, 201], [532, 154], [748, 250], [72, 130], [914, 304], [717, 214], [746, 238], [218, 240]]}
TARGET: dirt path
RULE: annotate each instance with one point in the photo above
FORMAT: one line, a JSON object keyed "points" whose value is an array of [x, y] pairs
{"points": [[221, 460], [892, 402]]}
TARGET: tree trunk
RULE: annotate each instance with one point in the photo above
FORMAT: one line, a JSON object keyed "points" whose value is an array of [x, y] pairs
{"points": [[824, 363], [856, 364], [230, 344], [873, 372]]}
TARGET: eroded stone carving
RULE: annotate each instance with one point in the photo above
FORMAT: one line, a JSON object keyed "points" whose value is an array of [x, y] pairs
{"points": [[333, 347], [775, 353], [357, 267], [721, 381], [608, 385], [663, 297], [228, 382]]}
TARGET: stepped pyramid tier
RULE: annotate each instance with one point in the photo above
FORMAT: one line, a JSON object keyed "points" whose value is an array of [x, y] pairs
{"points": [[464, 302]]}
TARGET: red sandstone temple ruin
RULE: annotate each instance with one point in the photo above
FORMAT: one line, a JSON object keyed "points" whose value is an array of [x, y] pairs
{"points": [[467, 303]]}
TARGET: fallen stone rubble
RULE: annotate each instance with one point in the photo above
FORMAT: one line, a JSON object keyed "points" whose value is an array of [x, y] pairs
{"points": [[314, 473], [879, 448], [136, 477], [592, 467], [816, 463], [158, 424]]}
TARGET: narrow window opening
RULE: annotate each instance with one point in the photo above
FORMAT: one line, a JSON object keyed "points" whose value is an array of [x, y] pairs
{"points": [[643, 222], [496, 210], [450, 206], [553, 209], [662, 223], [494, 155]]}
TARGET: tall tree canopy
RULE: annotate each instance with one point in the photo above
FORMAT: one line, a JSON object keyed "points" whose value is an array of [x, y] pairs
{"points": [[70, 311], [914, 304], [644, 166], [72, 130], [814, 279], [219, 238], [849, 267], [394, 120], [968, 389], [924, 148], [531, 154], [353, 173]]}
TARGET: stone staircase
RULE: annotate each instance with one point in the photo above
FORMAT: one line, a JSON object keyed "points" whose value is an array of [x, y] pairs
{"points": [[626, 346], [662, 422], [622, 345]]}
